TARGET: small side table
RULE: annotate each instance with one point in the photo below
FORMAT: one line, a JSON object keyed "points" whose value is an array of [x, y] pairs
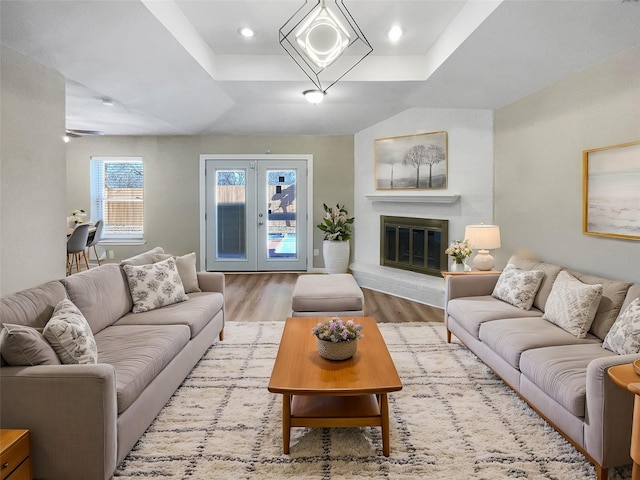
{"points": [[15, 455], [625, 376]]}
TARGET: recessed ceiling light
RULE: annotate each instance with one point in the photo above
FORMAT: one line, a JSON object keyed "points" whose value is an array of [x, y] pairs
{"points": [[107, 102], [246, 32], [395, 33]]}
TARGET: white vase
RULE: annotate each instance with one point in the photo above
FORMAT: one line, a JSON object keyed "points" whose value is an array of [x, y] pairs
{"points": [[336, 255], [457, 267]]}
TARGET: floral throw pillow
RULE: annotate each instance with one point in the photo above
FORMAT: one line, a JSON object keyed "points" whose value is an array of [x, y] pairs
{"points": [[624, 336], [70, 335], [518, 287], [155, 285], [572, 305]]}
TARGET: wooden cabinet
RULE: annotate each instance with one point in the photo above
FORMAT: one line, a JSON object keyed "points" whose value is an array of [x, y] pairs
{"points": [[15, 456]]}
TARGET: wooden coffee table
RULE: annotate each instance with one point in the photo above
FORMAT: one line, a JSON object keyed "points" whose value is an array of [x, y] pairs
{"points": [[324, 393]]}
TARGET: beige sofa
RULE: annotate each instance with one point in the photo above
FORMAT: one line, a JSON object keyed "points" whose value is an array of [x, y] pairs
{"points": [[84, 419], [564, 378]]}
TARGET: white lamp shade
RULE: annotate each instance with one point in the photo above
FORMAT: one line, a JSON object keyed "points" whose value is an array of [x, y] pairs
{"points": [[483, 238]]}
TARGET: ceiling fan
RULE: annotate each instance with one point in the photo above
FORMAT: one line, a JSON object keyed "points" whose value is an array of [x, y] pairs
{"points": [[73, 133]]}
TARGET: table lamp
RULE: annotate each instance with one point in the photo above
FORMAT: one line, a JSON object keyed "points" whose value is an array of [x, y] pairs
{"points": [[484, 238]]}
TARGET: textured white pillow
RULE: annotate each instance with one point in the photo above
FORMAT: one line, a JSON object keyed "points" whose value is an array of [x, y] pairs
{"points": [[518, 287], [572, 305], [186, 268], [624, 336], [22, 345], [70, 335], [155, 285]]}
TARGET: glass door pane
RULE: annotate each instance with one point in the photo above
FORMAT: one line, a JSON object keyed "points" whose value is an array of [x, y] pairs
{"points": [[281, 214], [231, 216]]}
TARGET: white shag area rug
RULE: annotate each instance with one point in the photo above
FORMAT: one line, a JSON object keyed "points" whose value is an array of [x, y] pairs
{"points": [[453, 419]]}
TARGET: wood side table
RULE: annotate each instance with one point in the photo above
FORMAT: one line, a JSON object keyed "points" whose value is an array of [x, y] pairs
{"points": [[625, 376], [15, 455], [446, 274]]}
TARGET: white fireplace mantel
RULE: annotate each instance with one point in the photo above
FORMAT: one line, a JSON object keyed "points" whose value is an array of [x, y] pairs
{"points": [[411, 198]]}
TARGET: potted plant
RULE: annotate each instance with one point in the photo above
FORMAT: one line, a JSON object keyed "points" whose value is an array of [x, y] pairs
{"points": [[459, 250], [337, 340], [336, 226]]}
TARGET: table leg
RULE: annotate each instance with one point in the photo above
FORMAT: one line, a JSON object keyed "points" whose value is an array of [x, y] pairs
{"points": [[635, 439], [384, 417], [286, 422]]}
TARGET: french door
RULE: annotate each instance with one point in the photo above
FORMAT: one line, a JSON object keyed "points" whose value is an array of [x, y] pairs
{"points": [[256, 213]]}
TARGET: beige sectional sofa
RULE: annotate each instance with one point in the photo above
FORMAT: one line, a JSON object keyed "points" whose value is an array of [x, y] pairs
{"points": [[85, 418], [563, 377]]}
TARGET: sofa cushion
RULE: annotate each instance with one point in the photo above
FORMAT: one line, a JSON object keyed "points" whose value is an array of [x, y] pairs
{"points": [[561, 372], [143, 258], [138, 354], [101, 294], [518, 287], [70, 335], [613, 295], [550, 273], [624, 336], [510, 338], [21, 345], [632, 294], [187, 270], [471, 312], [572, 305], [195, 313], [154, 285], [32, 307]]}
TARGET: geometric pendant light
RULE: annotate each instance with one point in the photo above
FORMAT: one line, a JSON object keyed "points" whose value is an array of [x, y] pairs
{"points": [[325, 41]]}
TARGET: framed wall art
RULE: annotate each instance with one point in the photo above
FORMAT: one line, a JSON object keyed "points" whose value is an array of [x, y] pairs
{"points": [[411, 162], [611, 191]]}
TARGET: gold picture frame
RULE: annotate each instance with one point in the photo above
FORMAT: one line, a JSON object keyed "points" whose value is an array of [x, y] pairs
{"points": [[418, 162], [611, 191]]}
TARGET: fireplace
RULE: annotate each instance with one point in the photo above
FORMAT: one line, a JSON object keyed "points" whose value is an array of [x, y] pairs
{"points": [[415, 244]]}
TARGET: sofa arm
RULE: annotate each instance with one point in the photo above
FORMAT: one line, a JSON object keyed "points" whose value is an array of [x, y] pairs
{"points": [[608, 414], [211, 282], [469, 285], [71, 413]]}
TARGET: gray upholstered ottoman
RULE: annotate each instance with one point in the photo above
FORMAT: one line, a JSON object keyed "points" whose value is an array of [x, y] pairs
{"points": [[327, 295]]}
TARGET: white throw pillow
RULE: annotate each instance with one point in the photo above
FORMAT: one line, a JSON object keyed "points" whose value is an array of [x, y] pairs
{"points": [[517, 286], [624, 336], [186, 268], [155, 285], [70, 335], [572, 305]]}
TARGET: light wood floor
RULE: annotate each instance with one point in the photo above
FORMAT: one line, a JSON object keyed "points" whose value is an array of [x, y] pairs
{"points": [[267, 297]]}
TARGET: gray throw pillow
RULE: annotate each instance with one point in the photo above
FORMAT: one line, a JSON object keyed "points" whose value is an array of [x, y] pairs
{"points": [[624, 336], [518, 287], [70, 335], [155, 285], [22, 345], [572, 305], [186, 268]]}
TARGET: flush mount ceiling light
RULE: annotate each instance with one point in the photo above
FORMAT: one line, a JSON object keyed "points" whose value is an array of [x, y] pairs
{"points": [[325, 41], [314, 96]]}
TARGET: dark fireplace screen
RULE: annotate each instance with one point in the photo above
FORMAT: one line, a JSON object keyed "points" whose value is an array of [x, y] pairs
{"points": [[415, 244]]}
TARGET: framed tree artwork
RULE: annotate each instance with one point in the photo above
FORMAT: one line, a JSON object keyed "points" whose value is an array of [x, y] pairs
{"points": [[611, 191], [411, 162]]}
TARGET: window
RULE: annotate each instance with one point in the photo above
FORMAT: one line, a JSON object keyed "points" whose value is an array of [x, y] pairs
{"points": [[117, 196]]}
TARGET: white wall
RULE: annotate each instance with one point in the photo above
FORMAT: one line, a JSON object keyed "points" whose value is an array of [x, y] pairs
{"points": [[32, 173], [470, 174], [538, 146]]}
